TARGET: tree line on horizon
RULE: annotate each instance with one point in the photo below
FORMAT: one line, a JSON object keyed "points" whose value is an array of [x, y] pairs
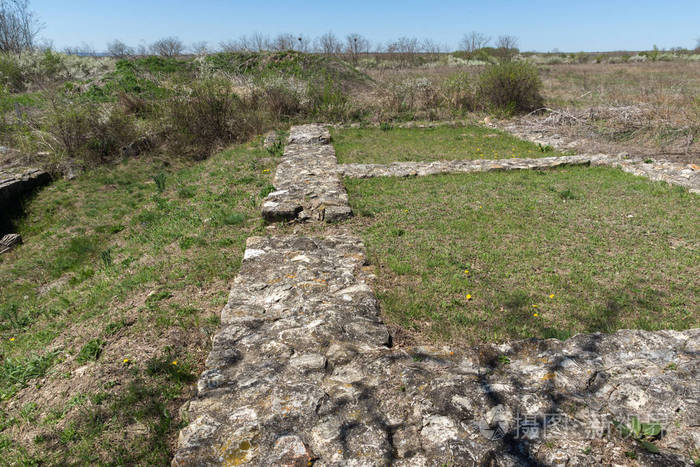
{"points": [[20, 27]]}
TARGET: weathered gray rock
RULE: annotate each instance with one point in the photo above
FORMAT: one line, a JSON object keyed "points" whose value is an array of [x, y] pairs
{"points": [[407, 169], [15, 182], [657, 169], [9, 241], [302, 371], [685, 175], [306, 180]]}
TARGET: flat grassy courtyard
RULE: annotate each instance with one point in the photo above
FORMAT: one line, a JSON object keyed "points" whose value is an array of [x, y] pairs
{"points": [[383, 146], [499, 256]]}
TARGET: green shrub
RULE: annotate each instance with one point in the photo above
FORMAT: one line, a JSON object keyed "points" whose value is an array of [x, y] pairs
{"points": [[329, 101], [211, 114], [81, 131], [11, 73], [281, 100], [512, 86]]}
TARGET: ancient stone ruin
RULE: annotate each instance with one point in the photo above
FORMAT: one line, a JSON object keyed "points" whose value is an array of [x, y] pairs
{"points": [[303, 371], [15, 182]]}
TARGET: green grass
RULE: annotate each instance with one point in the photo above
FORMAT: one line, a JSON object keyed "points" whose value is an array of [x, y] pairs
{"points": [[612, 250], [383, 146], [128, 262]]}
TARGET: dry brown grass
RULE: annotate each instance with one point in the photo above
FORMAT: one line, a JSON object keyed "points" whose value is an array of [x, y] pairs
{"points": [[650, 108]]}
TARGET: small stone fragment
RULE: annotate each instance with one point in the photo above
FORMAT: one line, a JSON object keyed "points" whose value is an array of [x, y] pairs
{"points": [[9, 241]]}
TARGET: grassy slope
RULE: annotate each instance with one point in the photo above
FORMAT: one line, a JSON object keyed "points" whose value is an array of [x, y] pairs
{"points": [[112, 270], [374, 145], [615, 251]]}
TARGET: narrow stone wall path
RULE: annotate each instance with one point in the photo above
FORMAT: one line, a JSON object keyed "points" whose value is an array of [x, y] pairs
{"points": [[407, 169], [306, 181], [303, 372]]}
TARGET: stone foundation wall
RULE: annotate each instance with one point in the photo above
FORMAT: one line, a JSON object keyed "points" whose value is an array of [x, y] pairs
{"points": [[306, 180], [16, 182], [303, 371]]}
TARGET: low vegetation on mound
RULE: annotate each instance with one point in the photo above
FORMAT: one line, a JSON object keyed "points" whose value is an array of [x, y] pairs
{"points": [[498, 256], [82, 112], [387, 144], [108, 307]]}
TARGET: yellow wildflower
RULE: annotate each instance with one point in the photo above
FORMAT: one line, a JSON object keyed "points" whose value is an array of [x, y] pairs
{"points": [[466, 271], [534, 306], [469, 296], [174, 362], [536, 315], [126, 360], [12, 339], [551, 295]]}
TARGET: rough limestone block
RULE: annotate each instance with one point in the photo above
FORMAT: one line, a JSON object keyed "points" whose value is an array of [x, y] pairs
{"points": [[301, 371], [307, 183]]}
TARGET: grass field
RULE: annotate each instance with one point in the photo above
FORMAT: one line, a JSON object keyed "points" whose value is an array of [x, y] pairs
{"points": [[499, 256], [107, 308], [380, 146]]}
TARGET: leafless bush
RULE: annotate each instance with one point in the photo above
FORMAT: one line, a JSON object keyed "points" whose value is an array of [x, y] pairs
{"points": [[118, 49], [459, 92], [81, 131], [18, 26], [329, 44], [355, 44], [200, 47], [411, 95], [284, 41], [168, 47], [211, 114], [474, 41], [431, 48], [405, 48], [133, 104], [506, 47]]}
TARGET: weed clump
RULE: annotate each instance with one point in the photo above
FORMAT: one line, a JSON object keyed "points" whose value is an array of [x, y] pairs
{"points": [[211, 114], [511, 87]]}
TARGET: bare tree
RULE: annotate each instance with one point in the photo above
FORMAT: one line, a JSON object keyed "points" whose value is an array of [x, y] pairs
{"points": [[431, 48], [284, 41], [118, 49], [200, 48], [303, 43], [355, 44], [697, 45], [474, 41], [329, 44], [142, 49], [231, 46], [18, 26], [507, 47], [168, 47], [407, 49], [259, 42]]}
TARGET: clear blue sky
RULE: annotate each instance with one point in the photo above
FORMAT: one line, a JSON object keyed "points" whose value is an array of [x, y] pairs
{"points": [[569, 25]]}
